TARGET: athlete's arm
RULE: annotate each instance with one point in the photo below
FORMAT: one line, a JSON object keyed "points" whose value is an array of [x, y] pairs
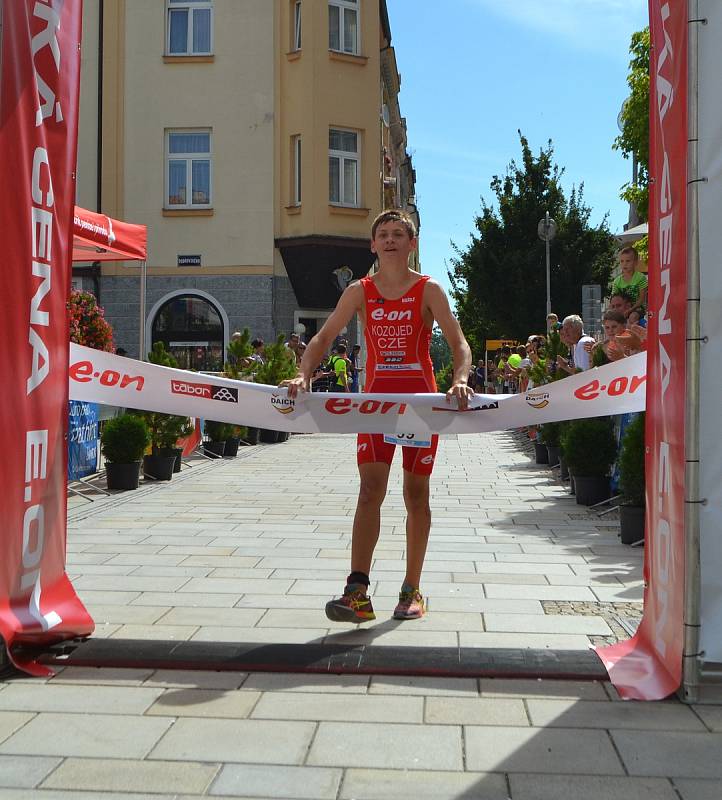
{"points": [[349, 303], [438, 304]]}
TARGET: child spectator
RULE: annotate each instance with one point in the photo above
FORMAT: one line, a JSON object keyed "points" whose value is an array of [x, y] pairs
{"points": [[631, 281]]}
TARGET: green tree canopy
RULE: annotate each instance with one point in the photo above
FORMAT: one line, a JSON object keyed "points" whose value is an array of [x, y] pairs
{"points": [[633, 141], [499, 280], [439, 349]]}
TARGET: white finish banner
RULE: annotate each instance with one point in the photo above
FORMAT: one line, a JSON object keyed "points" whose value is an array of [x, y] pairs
{"points": [[101, 377], [710, 389]]}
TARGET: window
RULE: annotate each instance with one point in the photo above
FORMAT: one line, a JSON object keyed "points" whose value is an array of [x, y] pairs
{"points": [[190, 27], [188, 179], [343, 33], [296, 156], [343, 171], [296, 25]]}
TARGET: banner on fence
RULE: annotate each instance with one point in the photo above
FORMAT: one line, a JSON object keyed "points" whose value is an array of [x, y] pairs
{"points": [[82, 440], [101, 377], [38, 134]]}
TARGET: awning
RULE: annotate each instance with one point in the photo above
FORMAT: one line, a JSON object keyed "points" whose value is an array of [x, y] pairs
{"points": [[97, 237], [632, 234]]}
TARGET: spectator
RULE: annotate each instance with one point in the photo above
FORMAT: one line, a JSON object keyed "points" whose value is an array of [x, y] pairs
{"points": [[502, 378], [621, 301], [121, 351], [572, 334], [339, 364], [632, 282], [356, 368], [258, 355], [613, 323], [292, 344], [553, 323], [480, 376]]}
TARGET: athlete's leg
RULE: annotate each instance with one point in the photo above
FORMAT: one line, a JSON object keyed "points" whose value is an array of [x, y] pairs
{"points": [[367, 521], [418, 525]]}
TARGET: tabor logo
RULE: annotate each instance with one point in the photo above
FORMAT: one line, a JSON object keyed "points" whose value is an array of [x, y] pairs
{"points": [[283, 404], [485, 407], [537, 399], [205, 390]]}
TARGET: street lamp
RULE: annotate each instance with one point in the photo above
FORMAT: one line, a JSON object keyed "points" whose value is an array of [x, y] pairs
{"points": [[547, 230]]}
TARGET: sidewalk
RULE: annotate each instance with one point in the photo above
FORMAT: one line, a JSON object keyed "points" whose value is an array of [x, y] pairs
{"points": [[250, 550]]}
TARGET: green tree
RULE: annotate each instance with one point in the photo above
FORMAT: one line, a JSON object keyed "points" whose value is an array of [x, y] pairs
{"points": [[439, 349], [499, 281], [633, 141]]}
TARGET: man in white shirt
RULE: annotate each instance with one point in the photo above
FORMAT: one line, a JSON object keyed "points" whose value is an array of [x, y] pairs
{"points": [[572, 334]]}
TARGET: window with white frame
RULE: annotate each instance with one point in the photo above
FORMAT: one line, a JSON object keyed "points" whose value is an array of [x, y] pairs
{"points": [[343, 26], [188, 169], [296, 155], [189, 28], [343, 168], [296, 25]]}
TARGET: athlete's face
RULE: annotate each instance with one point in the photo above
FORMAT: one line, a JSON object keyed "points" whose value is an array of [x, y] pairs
{"points": [[392, 240]]}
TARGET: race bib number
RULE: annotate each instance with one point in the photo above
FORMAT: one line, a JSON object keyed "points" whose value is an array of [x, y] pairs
{"points": [[406, 440]]}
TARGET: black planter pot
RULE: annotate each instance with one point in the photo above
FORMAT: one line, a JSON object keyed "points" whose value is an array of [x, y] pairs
{"points": [[231, 450], [123, 476], [252, 436], [269, 437], [591, 490], [214, 448], [542, 457], [563, 471], [553, 454], [176, 452], [158, 467], [631, 520], [283, 436]]}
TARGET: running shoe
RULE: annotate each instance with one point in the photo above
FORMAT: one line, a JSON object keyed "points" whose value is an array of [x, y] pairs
{"points": [[353, 606], [411, 603]]}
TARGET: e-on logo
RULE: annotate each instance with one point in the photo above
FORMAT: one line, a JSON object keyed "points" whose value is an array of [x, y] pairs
{"points": [[537, 399], [283, 404]]}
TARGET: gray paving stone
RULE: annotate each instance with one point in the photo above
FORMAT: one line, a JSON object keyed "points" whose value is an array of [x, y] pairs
{"points": [[11, 721], [571, 787], [449, 687], [182, 679], [227, 585], [241, 617], [87, 735], [550, 623], [308, 682], [180, 633], [209, 633], [111, 676], [128, 583], [60, 794], [540, 592], [375, 784], [187, 600], [24, 772], [711, 716], [433, 747], [669, 716], [562, 751], [691, 789], [205, 703], [145, 777], [296, 783], [475, 711], [57, 697], [125, 614], [537, 641], [251, 741], [670, 754], [339, 708], [573, 690]]}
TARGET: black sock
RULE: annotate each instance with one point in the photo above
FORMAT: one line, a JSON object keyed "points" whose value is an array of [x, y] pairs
{"points": [[358, 577]]}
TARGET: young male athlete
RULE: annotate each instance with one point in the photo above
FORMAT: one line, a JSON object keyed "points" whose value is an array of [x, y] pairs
{"points": [[397, 308]]}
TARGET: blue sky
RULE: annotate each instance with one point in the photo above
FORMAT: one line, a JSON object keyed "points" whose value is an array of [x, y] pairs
{"points": [[475, 71]]}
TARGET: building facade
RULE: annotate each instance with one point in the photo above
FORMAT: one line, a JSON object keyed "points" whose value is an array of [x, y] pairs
{"points": [[256, 139]]}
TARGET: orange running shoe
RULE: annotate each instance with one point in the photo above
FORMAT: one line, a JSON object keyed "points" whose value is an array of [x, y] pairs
{"points": [[411, 603], [353, 606]]}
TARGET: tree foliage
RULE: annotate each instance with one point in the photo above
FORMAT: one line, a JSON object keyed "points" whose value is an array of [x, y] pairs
{"points": [[439, 350], [499, 281], [633, 141]]}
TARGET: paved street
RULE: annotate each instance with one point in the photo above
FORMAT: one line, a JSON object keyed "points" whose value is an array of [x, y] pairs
{"points": [[249, 550]]}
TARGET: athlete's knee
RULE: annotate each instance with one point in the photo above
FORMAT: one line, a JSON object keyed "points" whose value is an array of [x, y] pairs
{"points": [[371, 492], [416, 496]]}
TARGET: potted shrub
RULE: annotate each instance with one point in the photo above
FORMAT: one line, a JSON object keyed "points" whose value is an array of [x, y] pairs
{"points": [[590, 449], [632, 482], [241, 366], [280, 366], [541, 455], [233, 441], [123, 441], [550, 436], [218, 433]]}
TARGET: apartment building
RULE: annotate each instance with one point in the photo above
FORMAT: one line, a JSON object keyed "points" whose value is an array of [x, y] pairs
{"points": [[257, 140]]}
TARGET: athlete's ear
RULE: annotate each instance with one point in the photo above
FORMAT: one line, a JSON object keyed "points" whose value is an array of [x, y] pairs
{"points": [[373, 247]]}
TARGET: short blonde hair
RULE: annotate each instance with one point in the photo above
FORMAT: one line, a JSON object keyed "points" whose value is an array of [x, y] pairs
{"points": [[394, 215]]}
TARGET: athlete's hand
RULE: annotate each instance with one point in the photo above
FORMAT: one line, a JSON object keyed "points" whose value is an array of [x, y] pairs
{"points": [[296, 385], [462, 392]]}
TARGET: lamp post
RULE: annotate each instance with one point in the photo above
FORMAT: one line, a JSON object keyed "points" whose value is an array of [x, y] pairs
{"points": [[547, 230]]}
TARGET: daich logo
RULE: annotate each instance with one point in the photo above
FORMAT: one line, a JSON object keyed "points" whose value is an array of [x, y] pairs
{"points": [[537, 399], [283, 404]]}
